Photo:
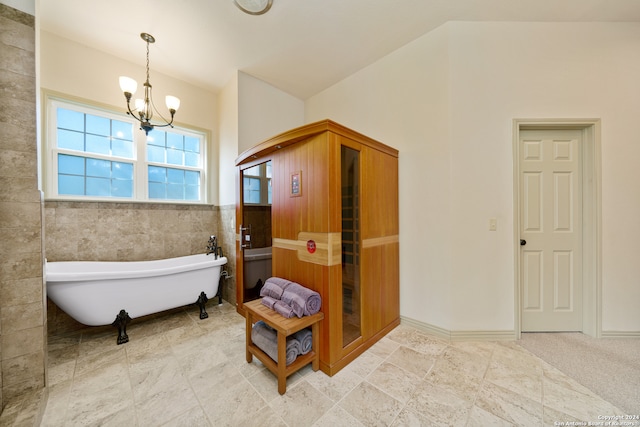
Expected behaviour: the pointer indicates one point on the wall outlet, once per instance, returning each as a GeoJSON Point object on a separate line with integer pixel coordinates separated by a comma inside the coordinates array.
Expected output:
{"type": "Point", "coordinates": [493, 224]}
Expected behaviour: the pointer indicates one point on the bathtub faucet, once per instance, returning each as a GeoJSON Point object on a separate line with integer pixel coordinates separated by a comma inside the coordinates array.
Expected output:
{"type": "Point", "coordinates": [213, 248]}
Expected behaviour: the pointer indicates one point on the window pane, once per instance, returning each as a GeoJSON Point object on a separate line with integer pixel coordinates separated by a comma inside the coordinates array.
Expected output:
{"type": "Point", "coordinates": [98, 144]}
{"type": "Point", "coordinates": [99, 168]}
{"type": "Point", "coordinates": [70, 140]}
{"type": "Point", "coordinates": [155, 154]}
{"type": "Point", "coordinates": [156, 191]}
{"type": "Point", "coordinates": [174, 157]}
{"type": "Point", "coordinates": [72, 185]}
{"type": "Point", "coordinates": [98, 187]}
{"type": "Point", "coordinates": [175, 176]}
{"type": "Point", "coordinates": [191, 159]}
{"type": "Point", "coordinates": [251, 190]}
{"type": "Point", "coordinates": [122, 130]}
{"type": "Point", "coordinates": [122, 148]}
{"type": "Point", "coordinates": [192, 178]}
{"type": "Point", "coordinates": [192, 192]}
{"type": "Point", "coordinates": [122, 188]}
{"type": "Point", "coordinates": [157, 174]}
{"type": "Point", "coordinates": [156, 137]}
{"type": "Point", "coordinates": [70, 165]}
{"type": "Point", "coordinates": [122, 171]}
{"type": "Point", "coordinates": [269, 169]}
{"type": "Point", "coordinates": [71, 120]}
{"type": "Point", "coordinates": [191, 144]}
{"type": "Point", "coordinates": [175, 191]}
{"type": "Point", "coordinates": [98, 125]}
{"type": "Point", "coordinates": [175, 140]}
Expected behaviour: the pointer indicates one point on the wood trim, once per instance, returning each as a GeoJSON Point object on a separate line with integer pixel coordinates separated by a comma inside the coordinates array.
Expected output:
{"type": "Point", "coordinates": [380, 241]}
{"type": "Point", "coordinates": [300, 133]}
{"type": "Point", "coordinates": [328, 250]}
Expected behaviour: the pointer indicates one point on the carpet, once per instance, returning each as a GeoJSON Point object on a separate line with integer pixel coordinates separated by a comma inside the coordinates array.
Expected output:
{"type": "Point", "coordinates": [609, 367]}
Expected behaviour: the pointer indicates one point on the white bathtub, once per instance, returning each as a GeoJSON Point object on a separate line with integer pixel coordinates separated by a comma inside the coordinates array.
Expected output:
{"type": "Point", "coordinates": [93, 293]}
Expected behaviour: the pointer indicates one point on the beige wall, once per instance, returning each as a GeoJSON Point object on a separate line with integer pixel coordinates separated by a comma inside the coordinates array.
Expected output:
{"type": "Point", "coordinates": [447, 101]}
{"type": "Point", "coordinates": [22, 309]}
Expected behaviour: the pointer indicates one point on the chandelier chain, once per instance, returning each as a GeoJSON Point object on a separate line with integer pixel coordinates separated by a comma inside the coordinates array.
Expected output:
{"type": "Point", "coordinates": [147, 61]}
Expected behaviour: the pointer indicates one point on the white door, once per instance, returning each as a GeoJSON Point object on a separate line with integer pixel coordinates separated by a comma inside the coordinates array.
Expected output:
{"type": "Point", "coordinates": [551, 230]}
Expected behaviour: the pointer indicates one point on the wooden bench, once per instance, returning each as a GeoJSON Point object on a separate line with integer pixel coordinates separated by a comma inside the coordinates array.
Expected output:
{"type": "Point", "coordinates": [256, 311]}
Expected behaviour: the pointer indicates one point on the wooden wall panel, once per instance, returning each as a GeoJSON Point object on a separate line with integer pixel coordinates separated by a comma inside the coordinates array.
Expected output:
{"type": "Point", "coordinates": [380, 201]}
{"type": "Point", "coordinates": [380, 242]}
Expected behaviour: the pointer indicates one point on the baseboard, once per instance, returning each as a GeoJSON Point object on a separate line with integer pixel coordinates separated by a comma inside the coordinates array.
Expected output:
{"type": "Point", "coordinates": [506, 335]}
{"type": "Point", "coordinates": [620, 334]}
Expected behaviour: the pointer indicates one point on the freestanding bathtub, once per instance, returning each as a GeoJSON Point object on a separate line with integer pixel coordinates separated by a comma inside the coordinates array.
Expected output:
{"type": "Point", "coordinates": [94, 293]}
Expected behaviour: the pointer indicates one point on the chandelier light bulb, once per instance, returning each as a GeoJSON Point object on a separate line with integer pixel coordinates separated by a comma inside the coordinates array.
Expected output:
{"type": "Point", "coordinates": [173, 103]}
{"type": "Point", "coordinates": [128, 85]}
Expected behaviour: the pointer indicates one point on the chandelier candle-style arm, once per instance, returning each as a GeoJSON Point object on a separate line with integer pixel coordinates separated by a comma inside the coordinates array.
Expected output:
{"type": "Point", "coordinates": [144, 108]}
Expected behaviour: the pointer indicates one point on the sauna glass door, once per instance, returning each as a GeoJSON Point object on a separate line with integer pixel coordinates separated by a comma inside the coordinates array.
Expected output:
{"type": "Point", "coordinates": [255, 230]}
{"type": "Point", "coordinates": [351, 313]}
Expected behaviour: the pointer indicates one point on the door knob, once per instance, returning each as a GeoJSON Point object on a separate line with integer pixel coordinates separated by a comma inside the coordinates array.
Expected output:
{"type": "Point", "coordinates": [523, 242]}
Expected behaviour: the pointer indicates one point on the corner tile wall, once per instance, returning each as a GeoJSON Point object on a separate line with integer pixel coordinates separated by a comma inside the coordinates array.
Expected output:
{"type": "Point", "coordinates": [22, 308]}
{"type": "Point", "coordinates": [227, 227]}
{"type": "Point", "coordinates": [88, 231]}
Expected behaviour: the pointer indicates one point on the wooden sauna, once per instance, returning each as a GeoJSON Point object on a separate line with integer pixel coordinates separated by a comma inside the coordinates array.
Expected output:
{"type": "Point", "coordinates": [332, 196]}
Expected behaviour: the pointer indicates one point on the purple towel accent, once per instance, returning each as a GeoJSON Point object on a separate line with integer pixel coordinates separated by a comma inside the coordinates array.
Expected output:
{"type": "Point", "coordinates": [306, 340]}
{"type": "Point", "coordinates": [266, 339]}
{"type": "Point", "coordinates": [304, 301]}
{"type": "Point", "coordinates": [268, 301]}
{"type": "Point", "coordinates": [283, 309]}
{"type": "Point", "coordinates": [280, 282]}
{"type": "Point", "coordinates": [271, 290]}
{"type": "Point", "coordinates": [294, 300]}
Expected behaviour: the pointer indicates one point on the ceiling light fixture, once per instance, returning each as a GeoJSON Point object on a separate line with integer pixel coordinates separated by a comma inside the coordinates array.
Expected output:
{"type": "Point", "coordinates": [254, 7]}
{"type": "Point", "coordinates": [144, 108]}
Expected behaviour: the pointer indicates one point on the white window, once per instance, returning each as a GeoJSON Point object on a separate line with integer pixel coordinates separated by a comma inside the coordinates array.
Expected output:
{"type": "Point", "coordinates": [95, 154]}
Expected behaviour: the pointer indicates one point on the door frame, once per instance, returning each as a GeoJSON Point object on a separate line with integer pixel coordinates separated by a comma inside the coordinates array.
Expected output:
{"type": "Point", "coordinates": [591, 222]}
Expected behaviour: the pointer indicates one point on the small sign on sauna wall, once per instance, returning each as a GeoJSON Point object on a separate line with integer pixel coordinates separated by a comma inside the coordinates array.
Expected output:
{"type": "Point", "coordinates": [296, 184]}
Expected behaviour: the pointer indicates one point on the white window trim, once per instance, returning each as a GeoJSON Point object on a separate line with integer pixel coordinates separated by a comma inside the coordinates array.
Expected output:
{"type": "Point", "coordinates": [140, 164]}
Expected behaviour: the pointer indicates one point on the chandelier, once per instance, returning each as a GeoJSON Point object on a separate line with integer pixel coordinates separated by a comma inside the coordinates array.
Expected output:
{"type": "Point", "coordinates": [144, 109]}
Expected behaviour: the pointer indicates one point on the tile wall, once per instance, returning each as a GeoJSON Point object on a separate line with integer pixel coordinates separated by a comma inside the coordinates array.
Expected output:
{"type": "Point", "coordinates": [22, 307]}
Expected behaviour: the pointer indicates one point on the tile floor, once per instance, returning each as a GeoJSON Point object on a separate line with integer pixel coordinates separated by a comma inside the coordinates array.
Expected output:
{"type": "Point", "coordinates": [178, 370]}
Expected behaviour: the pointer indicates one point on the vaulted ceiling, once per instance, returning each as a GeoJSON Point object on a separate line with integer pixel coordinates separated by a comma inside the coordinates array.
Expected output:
{"type": "Point", "coordinates": [299, 46]}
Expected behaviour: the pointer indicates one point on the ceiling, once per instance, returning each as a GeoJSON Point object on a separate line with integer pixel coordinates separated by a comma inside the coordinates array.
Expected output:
{"type": "Point", "coordinates": [299, 46]}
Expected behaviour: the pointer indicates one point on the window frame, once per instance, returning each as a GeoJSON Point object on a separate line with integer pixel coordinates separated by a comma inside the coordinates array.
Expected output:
{"type": "Point", "coordinates": [140, 193]}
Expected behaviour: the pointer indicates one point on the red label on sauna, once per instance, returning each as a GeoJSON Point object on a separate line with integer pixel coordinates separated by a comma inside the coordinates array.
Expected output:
{"type": "Point", "coordinates": [311, 246]}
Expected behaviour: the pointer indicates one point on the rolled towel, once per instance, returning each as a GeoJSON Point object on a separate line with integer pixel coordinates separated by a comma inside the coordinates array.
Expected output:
{"type": "Point", "coordinates": [266, 339]}
{"type": "Point", "coordinates": [280, 282]}
{"type": "Point", "coordinates": [303, 301]}
{"type": "Point", "coordinates": [271, 290]}
{"type": "Point", "coordinates": [306, 340]}
{"type": "Point", "coordinates": [268, 301]}
{"type": "Point", "coordinates": [284, 309]}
